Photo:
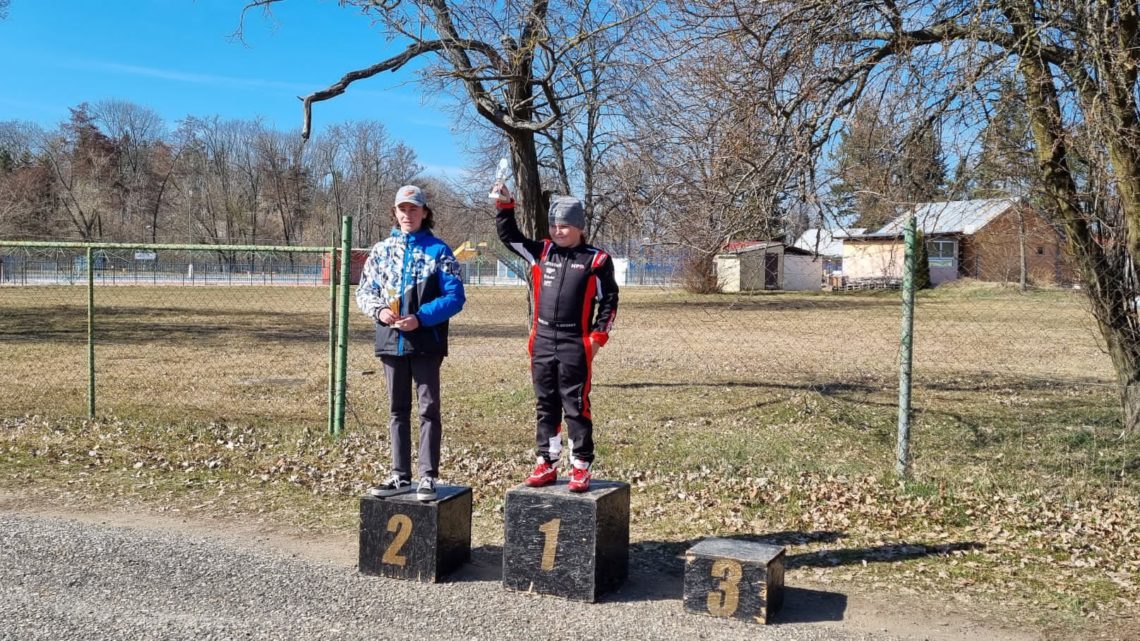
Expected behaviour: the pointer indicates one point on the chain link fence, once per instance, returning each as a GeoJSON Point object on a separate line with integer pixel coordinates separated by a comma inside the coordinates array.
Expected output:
{"type": "Point", "coordinates": [212, 334]}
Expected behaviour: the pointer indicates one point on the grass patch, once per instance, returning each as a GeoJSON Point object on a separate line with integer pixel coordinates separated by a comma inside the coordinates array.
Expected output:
{"type": "Point", "coordinates": [751, 416]}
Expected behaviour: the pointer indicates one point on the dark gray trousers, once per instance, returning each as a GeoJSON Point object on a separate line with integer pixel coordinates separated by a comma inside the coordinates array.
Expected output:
{"type": "Point", "coordinates": [399, 372]}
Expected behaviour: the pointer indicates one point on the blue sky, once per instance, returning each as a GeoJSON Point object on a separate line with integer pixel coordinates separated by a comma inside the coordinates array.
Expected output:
{"type": "Point", "coordinates": [179, 58]}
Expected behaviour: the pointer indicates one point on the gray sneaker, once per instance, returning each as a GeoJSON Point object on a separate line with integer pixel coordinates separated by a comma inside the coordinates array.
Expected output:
{"type": "Point", "coordinates": [426, 490]}
{"type": "Point", "coordinates": [393, 486]}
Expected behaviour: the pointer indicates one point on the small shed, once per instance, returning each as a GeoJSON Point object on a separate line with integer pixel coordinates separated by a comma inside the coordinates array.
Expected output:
{"type": "Point", "coordinates": [749, 266]}
{"type": "Point", "coordinates": [803, 270]}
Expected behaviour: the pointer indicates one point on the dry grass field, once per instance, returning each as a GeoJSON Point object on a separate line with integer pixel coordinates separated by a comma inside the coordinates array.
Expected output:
{"type": "Point", "coordinates": [770, 416]}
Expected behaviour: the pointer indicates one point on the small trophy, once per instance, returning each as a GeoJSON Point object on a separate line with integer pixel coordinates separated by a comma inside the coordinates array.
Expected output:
{"type": "Point", "coordinates": [500, 177]}
{"type": "Point", "coordinates": [393, 300]}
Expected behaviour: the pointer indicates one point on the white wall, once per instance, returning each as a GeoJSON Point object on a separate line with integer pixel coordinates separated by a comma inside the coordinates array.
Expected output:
{"type": "Point", "coordinates": [872, 259]}
{"type": "Point", "coordinates": [621, 270]}
{"type": "Point", "coordinates": [801, 273]}
{"type": "Point", "coordinates": [728, 272]}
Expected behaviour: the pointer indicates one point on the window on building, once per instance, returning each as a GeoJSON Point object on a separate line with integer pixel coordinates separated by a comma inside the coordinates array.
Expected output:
{"type": "Point", "coordinates": [1040, 251]}
{"type": "Point", "coordinates": [942, 253]}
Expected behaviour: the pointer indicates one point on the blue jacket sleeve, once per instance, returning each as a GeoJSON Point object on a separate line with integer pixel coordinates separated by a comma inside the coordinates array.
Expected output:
{"type": "Point", "coordinates": [451, 298]}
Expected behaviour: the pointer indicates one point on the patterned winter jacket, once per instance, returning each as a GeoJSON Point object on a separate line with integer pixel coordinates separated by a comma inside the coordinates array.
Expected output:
{"type": "Point", "coordinates": [420, 270]}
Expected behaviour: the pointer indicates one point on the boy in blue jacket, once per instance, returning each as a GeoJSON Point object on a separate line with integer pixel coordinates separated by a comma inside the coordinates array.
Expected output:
{"type": "Point", "coordinates": [410, 287]}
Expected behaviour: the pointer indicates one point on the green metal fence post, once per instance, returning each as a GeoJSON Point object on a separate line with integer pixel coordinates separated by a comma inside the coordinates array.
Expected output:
{"type": "Point", "coordinates": [342, 329]}
{"type": "Point", "coordinates": [90, 334]}
{"type": "Point", "coordinates": [334, 278]}
{"type": "Point", "coordinates": [902, 446]}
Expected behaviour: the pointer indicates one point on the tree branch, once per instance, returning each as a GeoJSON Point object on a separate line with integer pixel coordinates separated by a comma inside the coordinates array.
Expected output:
{"type": "Point", "coordinates": [391, 64]}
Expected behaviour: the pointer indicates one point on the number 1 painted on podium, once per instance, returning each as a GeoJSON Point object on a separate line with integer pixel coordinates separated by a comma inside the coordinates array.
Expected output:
{"type": "Point", "coordinates": [550, 546]}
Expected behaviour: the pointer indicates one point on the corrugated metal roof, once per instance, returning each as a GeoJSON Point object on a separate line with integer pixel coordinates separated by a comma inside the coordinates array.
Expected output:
{"type": "Point", "coordinates": [826, 242]}
{"type": "Point", "coordinates": [951, 217]}
{"type": "Point", "coordinates": [742, 246]}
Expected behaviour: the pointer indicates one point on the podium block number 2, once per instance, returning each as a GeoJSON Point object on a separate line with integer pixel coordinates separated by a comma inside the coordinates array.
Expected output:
{"type": "Point", "coordinates": [401, 525]}
{"type": "Point", "coordinates": [550, 544]}
{"type": "Point", "coordinates": [724, 600]}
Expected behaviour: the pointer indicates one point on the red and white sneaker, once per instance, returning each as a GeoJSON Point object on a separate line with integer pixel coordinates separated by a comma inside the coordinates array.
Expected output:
{"type": "Point", "coordinates": [579, 479]}
{"type": "Point", "coordinates": [544, 474]}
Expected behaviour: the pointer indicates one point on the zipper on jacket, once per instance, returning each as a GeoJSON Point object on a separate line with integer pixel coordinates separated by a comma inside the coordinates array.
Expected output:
{"type": "Point", "coordinates": [407, 238]}
{"type": "Point", "coordinates": [561, 282]}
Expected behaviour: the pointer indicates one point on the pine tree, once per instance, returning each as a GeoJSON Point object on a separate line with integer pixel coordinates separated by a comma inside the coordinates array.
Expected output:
{"type": "Point", "coordinates": [1005, 165]}
{"type": "Point", "coordinates": [921, 262]}
{"type": "Point", "coordinates": [882, 169]}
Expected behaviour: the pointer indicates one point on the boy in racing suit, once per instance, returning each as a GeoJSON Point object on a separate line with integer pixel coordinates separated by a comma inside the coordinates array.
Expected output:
{"type": "Point", "coordinates": [575, 302]}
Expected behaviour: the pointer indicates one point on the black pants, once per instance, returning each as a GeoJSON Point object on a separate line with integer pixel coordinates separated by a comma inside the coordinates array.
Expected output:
{"type": "Point", "coordinates": [399, 371]}
{"type": "Point", "coordinates": [560, 371]}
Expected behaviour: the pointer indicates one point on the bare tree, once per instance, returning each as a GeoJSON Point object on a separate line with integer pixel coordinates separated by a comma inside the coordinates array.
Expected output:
{"type": "Point", "coordinates": [881, 166]}
{"type": "Point", "coordinates": [699, 166]}
{"type": "Point", "coordinates": [81, 161]}
{"type": "Point", "coordinates": [513, 62]}
{"type": "Point", "coordinates": [280, 161]}
{"type": "Point", "coordinates": [220, 166]}
{"type": "Point", "coordinates": [26, 184]}
{"type": "Point", "coordinates": [144, 164]}
{"type": "Point", "coordinates": [360, 167]}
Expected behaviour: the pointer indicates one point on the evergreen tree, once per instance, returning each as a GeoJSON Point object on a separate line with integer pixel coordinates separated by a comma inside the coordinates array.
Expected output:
{"type": "Point", "coordinates": [1005, 165]}
{"type": "Point", "coordinates": [921, 262]}
{"type": "Point", "coordinates": [881, 168]}
{"type": "Point", "coordinates": [862, 165]}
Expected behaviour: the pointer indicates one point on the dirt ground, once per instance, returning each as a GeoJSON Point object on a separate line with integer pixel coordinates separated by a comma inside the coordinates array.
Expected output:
{"type": "Point", "coordinates": [908, 617]}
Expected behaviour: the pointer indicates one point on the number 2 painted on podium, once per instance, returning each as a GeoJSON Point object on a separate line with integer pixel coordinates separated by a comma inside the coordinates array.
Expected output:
{"type": "Point", "coordinates": [550, 545]}
{"type": "Point", "coordinates": [724, 600]}
{"type": "Point", "coordinates": [402, 526]}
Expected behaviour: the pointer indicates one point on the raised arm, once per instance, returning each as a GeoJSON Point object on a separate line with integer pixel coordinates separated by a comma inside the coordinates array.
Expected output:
{"type": "Point", "coordinates": [529, 249]}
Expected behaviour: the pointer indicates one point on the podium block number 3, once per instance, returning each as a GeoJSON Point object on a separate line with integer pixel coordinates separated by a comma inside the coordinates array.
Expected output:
{"type": "Point", "coordinates": [402, 526]}
{"type": "Point", "coordinates": [550, 545]}
{"type": "Point", "coordinates": [724, 600]}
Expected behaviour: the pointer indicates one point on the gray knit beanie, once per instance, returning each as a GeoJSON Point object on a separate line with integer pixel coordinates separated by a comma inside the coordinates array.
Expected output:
{"type": "Point", "coordinates": [567, 210]}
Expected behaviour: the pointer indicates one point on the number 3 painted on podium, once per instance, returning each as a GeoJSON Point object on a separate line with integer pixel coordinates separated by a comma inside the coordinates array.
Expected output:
{"type": "Point", "coordinates": [723, 603]}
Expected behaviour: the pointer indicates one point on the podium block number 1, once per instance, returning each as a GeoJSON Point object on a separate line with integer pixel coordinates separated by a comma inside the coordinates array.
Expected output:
{"type": "Point", "coordinates": [401, 525]}
{"type": "Point", "coordinates": [724, 600]}
{"type": "Point", "coordinates": [550, 542]}
{"type": "Point", "coordinates": [565, 544]}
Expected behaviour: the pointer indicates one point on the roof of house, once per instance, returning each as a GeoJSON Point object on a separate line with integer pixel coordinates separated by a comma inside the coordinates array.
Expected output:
{"type": "Point", "coordinates": [826, 242]}
{"type": "Point", "coordinates": [741, 246]}
{"type": "Point", "coordinates": [951, 217]}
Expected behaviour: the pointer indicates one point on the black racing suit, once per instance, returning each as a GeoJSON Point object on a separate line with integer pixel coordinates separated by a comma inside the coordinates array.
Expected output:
{"type": "Point", "coordinates": [575, 300]}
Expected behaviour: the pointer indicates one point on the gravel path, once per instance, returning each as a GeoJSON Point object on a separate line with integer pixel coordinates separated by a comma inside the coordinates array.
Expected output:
{"type": "Point", "coordinates": [64, 579]}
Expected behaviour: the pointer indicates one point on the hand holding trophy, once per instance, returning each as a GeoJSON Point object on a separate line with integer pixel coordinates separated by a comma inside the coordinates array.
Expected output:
{"type": "Point", "coordinates": [392, 297]}
{"type": "Point", "coordinates": [499, 192]}
{"type": "Point", "coordinates": [393, 301]}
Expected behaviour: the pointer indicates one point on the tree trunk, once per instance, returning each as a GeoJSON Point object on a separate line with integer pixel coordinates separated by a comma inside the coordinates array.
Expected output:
{"type": "Point", "coordinates": [1106, 271]}
{"type": "Point", "coordinates": [531, 204]}
{"type": "Point", "coordinates": [1024, 280]}
{"type": "Point", "coordinates": [1130, 400]}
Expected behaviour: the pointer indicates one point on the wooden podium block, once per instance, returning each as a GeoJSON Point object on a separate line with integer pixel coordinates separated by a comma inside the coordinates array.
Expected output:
{"type": "Point", "coordinates": [565, 544]}
{"type": "Point", "coordinates": [735, 579]}
{"type": "Point", "coordinates": [404, 538]}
